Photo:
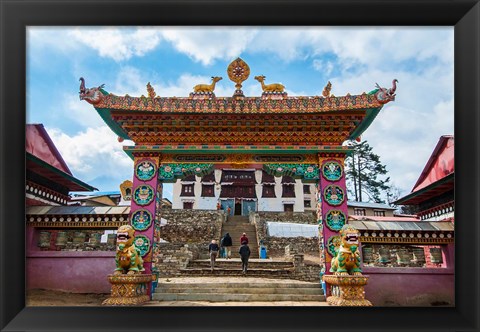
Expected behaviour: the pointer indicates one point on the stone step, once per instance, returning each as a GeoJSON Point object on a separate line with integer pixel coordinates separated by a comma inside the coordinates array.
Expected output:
{"type": "Point", "coordinates": [239, 284]}
{"type": "Point", "coordinates": [236, 272]}
{"type": "Point", "coordinates": [224, 263]}
{"type": "Point", "coordinates": [240, 290]}
{"type": "Point", "coordinates": [219, 297]}
{"type": "Point", "coordinates": [237, 289]}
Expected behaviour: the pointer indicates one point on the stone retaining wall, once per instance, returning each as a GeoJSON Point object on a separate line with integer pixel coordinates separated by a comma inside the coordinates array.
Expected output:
{"type": "Point", "coordinates": [276, 245]}
{"type": "Point", "coordinates": [173, 257]}
{"type": "Point", "coordinates": [191, 226]}
{"type": "Point", "coordinates": [305, 272]}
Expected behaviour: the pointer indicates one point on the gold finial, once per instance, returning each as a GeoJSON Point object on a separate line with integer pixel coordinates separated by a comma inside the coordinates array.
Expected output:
{"type": "Point", "coordinates": [151, 91]}
{"type": "Point", "coordinates": [238, 71]}
{"type": "Point", "coordinates": [327, 89]}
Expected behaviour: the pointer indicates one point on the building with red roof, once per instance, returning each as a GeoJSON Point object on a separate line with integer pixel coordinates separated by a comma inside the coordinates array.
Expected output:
{"type": "Point", "coordinates": [433, 193]}
{"type": "Point", "coordinates": [48, 178]}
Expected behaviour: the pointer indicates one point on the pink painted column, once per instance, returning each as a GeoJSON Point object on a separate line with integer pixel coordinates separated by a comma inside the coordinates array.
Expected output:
{"type": "Point", "coordinates": [332, 210]}
{"type": "Point", "coordinates": [145, 206]}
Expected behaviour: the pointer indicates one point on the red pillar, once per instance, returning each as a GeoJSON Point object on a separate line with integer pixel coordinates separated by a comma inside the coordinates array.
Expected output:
{"type": "Point", "coordinates": [332, 204]}
{"type": "Point", "coordinates": [145, 206]}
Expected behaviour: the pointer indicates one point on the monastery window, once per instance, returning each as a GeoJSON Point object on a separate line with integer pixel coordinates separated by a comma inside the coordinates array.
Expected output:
{"type": "Point", "coordinates": [189, 178]}
{"type": "Point", "coordinates": [379, 213]}
{"type": "Point", "coordinates": [307, 203]}
{"type": "Point", "coordinates": [268, 191]}
{"type": "Point", "coordinates": [187, 190]}
{"type": "Point", "coordinates": [208, 190]}
{"type": "Point", "coordinates": [267, 178]}
{"type": "Point", "coordinates": [359, 212]}
{"type": "Point", "coordinates": [209, 178]}
{"type": "Point", "coordinates": [288, 190]}
{"type": "Point", "coordinates": [187, 205]}
{"type": "Point", "coordinates": [306, 189]}
{"type": "Point", "coordinates": [288, 207]}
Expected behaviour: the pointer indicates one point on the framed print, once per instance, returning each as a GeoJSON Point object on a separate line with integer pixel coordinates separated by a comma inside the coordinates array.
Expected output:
{"type": "Point", "coordinates": [19, 17]}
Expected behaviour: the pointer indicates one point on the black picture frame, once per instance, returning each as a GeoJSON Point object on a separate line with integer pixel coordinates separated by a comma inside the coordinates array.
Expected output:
{"type": "Point", "coordinates": [17, 15]}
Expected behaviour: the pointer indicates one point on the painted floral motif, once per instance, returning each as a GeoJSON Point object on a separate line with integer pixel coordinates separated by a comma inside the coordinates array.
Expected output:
{"type": "Point", "coordinates": [145, 170]}
{"type": "Point", "coordinates": [333, 244]}
{"type": "Point", "coordinates": [305, 171]}
{"type": "Point", "coordinates": [335, 220]}
{"type": "Point", "coordinates": [334, 195]}
{"type": "Point", "coordinates": [141, 220]}
{"type": "Point", "coordinates": [143, 195]}
{"type": "Point", "coordinates": [174, 171]}
{"type": "Point", "coordinates": [142, 243]}
{"type": "Point", "coordinates": [332, 171]}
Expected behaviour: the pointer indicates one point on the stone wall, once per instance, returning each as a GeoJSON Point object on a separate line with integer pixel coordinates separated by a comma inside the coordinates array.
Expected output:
{"type": "Point", "coordinates": [171, 258]}
{"type": "Point", "coordinates": [192, 226]}
{"type": "Point", "coordinates": [295, 217]}
{"type": "Point", "coordinates": [304, 271]}
{"type": "Point", "coordinates": [276, 245]}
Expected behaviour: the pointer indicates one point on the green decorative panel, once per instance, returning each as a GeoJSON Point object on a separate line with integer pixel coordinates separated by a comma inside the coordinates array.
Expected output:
{"type": "Point", "coordinates": [176, 171]}
{"type": "Point", "coordinates": [334, 195]}
{"type": "Point", "coordinates": [145, 170]}
{"type": "Point", "coordinates": [141, 220]}
{"type": "Point", "coordinates": [142, 243]}
{"type": "Point", "coordinates": [332, 171]}
{"type": "Point", "coordinates": [333, 244]}
{"type": "Point", "coordinates": [335, 220]}
{"type": "Point", "coordinates": [297, 171]}
{"type": "Point", "coordinates": [143, 195]}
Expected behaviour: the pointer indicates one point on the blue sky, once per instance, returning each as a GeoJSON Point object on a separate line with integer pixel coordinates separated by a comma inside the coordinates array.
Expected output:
{"type": "Point", "coordinates": [174, 59]}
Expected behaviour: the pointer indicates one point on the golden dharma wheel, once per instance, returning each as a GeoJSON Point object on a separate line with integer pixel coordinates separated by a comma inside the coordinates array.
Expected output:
{"type": "Point", "coordinates": [238, 71]}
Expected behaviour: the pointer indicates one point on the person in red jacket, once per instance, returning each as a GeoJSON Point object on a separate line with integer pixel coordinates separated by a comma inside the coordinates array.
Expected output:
{"type": "Point", "coordinates": [244, 238]}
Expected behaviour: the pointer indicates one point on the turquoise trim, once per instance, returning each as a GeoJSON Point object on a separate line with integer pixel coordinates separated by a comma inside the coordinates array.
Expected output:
{"type": "Point", "coordinates": [106, 116]}
{"type": "Point", "coordinates": [371, 114]}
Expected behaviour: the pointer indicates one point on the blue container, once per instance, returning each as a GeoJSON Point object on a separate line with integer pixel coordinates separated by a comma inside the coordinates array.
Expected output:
{"type": "Point", "coordinates": [263, 252]}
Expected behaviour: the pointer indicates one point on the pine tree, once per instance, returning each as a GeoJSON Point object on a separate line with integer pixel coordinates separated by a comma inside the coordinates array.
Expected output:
{"type": "Point", "coordinates": [363, 171]}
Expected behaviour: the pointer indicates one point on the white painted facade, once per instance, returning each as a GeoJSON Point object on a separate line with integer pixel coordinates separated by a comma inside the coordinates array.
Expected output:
{"type": "Point", "coordinates": [263, 203]}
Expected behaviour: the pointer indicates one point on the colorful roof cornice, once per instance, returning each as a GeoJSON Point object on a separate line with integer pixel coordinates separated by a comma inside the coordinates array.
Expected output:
{"type": "Point", "coordinates": [272, 118]}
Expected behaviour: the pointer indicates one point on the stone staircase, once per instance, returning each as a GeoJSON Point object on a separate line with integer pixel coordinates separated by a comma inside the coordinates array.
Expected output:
{"type": "Point", "coordinates": [237, 290]}
{"type": "Point", "coordinates": [236, 226]}
{"type": "Point", "coordinates": [233, 267]}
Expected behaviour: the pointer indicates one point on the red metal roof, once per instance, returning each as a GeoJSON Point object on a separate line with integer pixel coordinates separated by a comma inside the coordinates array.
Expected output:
{"type": "Point", "coordinates": [39, 144]}
{"type": "Point", "coordinates": [44, 159]}
{"type": "Point", "coordinates": [440, 164]}
{"type": "Point", "coordinates": [437, 176]}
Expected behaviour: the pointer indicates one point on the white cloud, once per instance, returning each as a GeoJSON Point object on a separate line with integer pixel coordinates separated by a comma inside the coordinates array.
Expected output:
{"type": "Point", "coordinates": [118, 43]}
{"type": "Point", "coordinates": [206, 45]}
{"type": "Point", "coordinates": [325, 67]}
{"type": "Point", "coordinates": [92, 153]}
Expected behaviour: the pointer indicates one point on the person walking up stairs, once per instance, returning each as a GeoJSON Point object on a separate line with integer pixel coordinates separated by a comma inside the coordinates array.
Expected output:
{"type": "Point", "coordinates": [235, 227]}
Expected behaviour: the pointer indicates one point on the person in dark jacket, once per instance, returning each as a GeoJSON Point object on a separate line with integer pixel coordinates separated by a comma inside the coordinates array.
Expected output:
{"type": "Point", "coordinates": [213, 251]}
{"type": "Point", "coordinates": [244, 252]}
{"type": "Point", "coordinates": [227, 243]}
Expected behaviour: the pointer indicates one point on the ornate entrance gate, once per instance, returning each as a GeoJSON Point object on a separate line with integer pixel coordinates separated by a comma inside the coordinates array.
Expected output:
{"type": "Point", "coordinates": [300, 137]}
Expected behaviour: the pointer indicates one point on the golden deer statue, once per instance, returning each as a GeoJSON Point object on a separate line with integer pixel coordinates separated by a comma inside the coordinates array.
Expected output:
{"type": "Point", "coordinates": [274, 87]}
{"type": "Point", "coordinates": [207, 87]}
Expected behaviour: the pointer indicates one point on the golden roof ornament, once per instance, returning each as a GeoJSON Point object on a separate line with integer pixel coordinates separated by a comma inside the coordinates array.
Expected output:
{"type": "Point", "coordinates": [151, 91]}
{"type": "Point", "coordinates": [273, 87]}
{"type": "Point", "coordinates": [207, 88]}
{"type": "Point", "coordinates": [238, 71]}
{"type": "Point", "coordinates": [327, 89]}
